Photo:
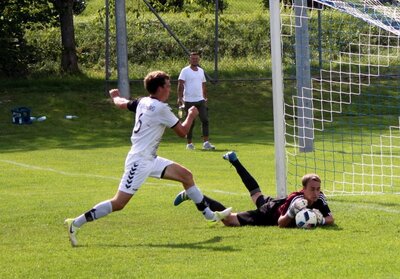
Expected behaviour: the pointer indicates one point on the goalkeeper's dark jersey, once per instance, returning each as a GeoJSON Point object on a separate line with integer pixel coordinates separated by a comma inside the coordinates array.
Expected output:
{"type": "Point", "coordinates": [320, 204]}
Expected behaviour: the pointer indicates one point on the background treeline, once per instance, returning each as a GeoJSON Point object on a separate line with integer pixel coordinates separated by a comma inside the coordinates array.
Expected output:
{"type": "Point", "coordinates": [35, 50]}
{"type": "Point", "coordinates": [31, 43]}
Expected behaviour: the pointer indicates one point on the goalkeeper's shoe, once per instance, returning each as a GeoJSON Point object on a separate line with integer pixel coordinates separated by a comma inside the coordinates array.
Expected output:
{"type": "Point", "coordinates": [221, 215]}
{"type": "Point", "coordinates": [181, 197]}
{"type": "Point", "coordinates": [230, 156]}
{"type": "Point", "coordinates": [72, 231]}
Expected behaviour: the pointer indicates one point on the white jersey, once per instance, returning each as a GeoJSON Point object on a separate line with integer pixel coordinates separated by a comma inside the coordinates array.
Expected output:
{"type": "Point", "coordinates": [193, 88]}
{"type": "Point", "coordinates": [152, 116]}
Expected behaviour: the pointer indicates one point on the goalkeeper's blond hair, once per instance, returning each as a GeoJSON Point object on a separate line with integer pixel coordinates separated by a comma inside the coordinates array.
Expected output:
{"type": "Point", "coordinates": [310, 176]}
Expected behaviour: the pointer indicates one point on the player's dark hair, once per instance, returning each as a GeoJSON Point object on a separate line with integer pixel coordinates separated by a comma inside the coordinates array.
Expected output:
{"type": "Point", "coordinates": [310, 176]}
{"type": "Point", "coordinates": [195, 53]}
{"type": "Point", "coordinates": [155, 79]}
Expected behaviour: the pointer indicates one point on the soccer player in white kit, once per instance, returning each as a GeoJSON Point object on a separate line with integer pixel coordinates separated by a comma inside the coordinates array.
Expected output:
{"type": "Point", "coordinates": [152, 116]}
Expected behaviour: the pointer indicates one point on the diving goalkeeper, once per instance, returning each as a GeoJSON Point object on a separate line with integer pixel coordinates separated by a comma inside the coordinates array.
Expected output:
{"type": "Point", "coordinates": [272, 211]}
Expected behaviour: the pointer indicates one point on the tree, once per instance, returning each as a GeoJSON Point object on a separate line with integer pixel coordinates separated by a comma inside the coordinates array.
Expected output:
{"type": "Point", "coordinates": [18, 15]}
{"type": "Point", "coordinates": [15, 17]}
{"type": "Point", "coordinates": [69, 59]}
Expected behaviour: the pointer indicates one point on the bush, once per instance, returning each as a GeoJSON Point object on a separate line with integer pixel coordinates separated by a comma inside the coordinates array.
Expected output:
{"type": "Point", "coordinates": [15, 55]}
{"type": "Point", "coordinates": [79, 6]}
{"type": "Point", "coordinates": [289, 3]}
{"type": "Point", "coordinates": [210, 4]}
{"type": "Point", "coordinates": [167, 5]}
{"type": "Point", "coordinates": [16, 19]}
{"type": "Point", "coordinates": [178, 5]}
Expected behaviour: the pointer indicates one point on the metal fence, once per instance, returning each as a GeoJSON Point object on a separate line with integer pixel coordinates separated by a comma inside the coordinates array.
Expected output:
{"type": "Point", "coordinates": [234, 41]}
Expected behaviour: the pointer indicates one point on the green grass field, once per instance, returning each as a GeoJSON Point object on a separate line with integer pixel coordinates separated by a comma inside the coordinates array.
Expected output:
{"type": "Point", "coordinates": [60, 168]}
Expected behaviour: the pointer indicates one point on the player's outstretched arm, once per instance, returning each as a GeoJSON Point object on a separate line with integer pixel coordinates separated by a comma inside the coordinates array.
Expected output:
{"type": "Point", "coordinates": [119, 101]}
{"type": "Point", "coordinates": [182, 129]}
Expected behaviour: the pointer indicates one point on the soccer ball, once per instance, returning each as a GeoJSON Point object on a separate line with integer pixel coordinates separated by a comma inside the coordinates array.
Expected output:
{"type": "Point", "coordinates": [306, 219]}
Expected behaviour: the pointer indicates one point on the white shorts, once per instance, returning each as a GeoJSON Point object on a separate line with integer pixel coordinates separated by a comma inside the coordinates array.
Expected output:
{"type": "Point", "coordinates": [137, 169]}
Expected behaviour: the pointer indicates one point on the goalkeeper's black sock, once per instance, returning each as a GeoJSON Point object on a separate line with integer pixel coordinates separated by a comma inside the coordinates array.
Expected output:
{"type": "Point", "coordinates": [248, 180]}
{"type": "Point", "coordinates": [213, 204]}
{"type": "Point", "coordinates": [210, 203]}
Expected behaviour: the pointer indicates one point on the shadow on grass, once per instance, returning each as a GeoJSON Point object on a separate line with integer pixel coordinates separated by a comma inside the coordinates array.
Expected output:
{"type": "Point", "coordinates": [201, 245]}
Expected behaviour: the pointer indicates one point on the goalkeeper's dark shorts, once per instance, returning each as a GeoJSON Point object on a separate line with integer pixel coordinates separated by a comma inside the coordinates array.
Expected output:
{"type": "Point", "coordinates": [265, 214]}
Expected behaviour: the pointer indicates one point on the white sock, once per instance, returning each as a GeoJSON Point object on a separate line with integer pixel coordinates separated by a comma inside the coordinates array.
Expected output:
{"type": "Point", "coordinates": [99, 210]}
{"type": "Point", "coordinates": [194, 194]}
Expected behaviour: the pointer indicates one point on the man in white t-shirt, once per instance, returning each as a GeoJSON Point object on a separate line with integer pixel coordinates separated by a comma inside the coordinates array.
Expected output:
{"type": "Point", "coordinates": [192, 91]}
{"type": "Point", "coordinates": [152, 116]}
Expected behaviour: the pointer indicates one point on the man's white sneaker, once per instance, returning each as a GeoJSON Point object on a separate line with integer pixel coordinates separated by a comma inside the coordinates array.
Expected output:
{"type": "Point", "coordinates": [208, 146]}
{"type": "Point", "coordinates": [72, 230]}
{"type": "Point", "coordinates": [190, 146]}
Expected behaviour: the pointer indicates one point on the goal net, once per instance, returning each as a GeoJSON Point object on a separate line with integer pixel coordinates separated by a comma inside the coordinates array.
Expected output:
{"type": "Point", "coordinates": [341, 72]}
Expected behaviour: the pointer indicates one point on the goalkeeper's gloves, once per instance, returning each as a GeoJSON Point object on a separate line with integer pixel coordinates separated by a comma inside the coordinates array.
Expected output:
{"type": "Point", "coordinates": [320, 217]}
{"type": "Point", "coordinates": [296, 206]}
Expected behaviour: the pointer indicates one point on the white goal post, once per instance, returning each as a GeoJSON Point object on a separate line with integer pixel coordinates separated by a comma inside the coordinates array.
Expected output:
{"type": "Point", "coordinates": [340, 64]}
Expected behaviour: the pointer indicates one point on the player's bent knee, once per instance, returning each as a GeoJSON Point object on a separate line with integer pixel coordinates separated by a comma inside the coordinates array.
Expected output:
{"type": "Point", "coordinates": [187, 177]}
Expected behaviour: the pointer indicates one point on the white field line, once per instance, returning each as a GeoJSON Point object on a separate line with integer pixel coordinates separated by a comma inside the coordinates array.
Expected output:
{"type": "Point", "coordinates": [76, 174]}
{"type": "Point", "coordinates": [368, 207]}
{"type": "Point", "coordinates": [32, 167]}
